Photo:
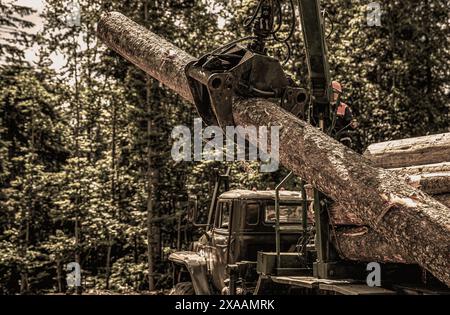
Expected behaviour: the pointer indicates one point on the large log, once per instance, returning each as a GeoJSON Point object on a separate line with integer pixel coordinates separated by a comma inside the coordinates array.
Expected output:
{"type": "Point", "coordinates": [340, 215]}
{"type": "Point", "coordinates": [153, 54]}
{"type": "Point", "coordinates": [403, 215]}
{"type": "Point", "coordinates": [408, 219]}
{"type": "Point", "coordinates": [361, 244]}
{"type": "Point", "coordinates": [444, 199]}
{"type": "Point", "coordinates": [411, 151]}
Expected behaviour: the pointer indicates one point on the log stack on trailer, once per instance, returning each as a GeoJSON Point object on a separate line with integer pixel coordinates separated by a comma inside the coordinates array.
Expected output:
{"type": "Point", "coordinates": [423, 162]}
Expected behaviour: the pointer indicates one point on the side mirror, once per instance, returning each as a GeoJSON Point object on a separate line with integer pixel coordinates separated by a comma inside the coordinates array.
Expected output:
{"type": "Point", "coordinates": [193, 212]}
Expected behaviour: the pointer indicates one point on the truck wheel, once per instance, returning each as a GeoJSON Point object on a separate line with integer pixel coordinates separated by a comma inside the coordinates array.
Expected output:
{"type": "Point", "coordinates": [183, 288]}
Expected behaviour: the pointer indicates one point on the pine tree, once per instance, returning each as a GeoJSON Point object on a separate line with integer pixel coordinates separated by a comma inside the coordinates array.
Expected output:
{"type": "Point", "coordinates": [34, 148]}
{"type": "Point", "coordinates": [394, 76]}
{"type": "Point", "coordinates": [14, 27]}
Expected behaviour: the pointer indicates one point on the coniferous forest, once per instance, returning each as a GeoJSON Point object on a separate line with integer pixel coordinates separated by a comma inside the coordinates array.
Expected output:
{"type": "Point", "coordinates": [86, 173]}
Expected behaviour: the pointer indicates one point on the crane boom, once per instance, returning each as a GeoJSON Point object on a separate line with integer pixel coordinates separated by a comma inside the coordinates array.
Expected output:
{"type": "Point", "coordinates": [316, 55]}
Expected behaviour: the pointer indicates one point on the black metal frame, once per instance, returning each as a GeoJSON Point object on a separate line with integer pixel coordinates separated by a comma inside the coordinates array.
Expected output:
{"type": "Point", "coordinates": [217, 78]}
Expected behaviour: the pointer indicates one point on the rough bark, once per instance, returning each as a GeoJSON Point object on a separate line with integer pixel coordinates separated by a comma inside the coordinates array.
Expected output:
{"type": "Point", "coordinates": [340, 215]}
{"type": "Point", "coordinates": [431, 183]}
{"type": "Point", "coordinates": [422, 169]}
{"type": "Point", "coordinates": [148, 51]}
{"type": "Point", "coordinates": [413, 222]}
{"type": "Point", "coordinates": [412, 151]}
{"type": "Point", "coordinates": [362, 244]}
{"type": "Point", "coordinates": [444, 199]}
{"type": "Point", "coordinates": [433, 179]}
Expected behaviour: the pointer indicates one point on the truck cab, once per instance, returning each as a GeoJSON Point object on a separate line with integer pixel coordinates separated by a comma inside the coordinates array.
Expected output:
{"type": "Point", "coordinates": [242, 223]}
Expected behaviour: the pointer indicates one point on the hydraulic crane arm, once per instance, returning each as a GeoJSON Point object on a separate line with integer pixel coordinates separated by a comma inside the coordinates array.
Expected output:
{"type": "Point", "coordinates": [316, 55]}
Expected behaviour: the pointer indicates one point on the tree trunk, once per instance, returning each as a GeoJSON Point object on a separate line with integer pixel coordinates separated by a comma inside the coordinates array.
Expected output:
{"type": "Point", "coordinates": [78, 289]}
{"type": "Point", "coordinates": [116, 212]}
{"type": "Point", "coordinates": [340, 215]}
{"type": "Point", "coordinates": [108, 261]}
{"type": "Point", "coordinates": [24, 285]}
{"type": "Point", "coordinates": [408, 219]}
{"type": "Point", "coordinates": [412, 151]}
{"type": "Point", "coordinates": [135, 260]}
{"type": "Point", "coordinates": [153, 54]}
{"type": "Point", "coordinates": [150, 190]}
{"type": "Point", "coordinates": [179, 232]}
{"type": "Point", "coordinates": [152, 173]}
{"type": "Point", "coordinates": [435, 183]}
{"type": "Point", "coordinates": [444, 199]}
{"type": "Point", "coordinates": [362, 244]}
{"type": "Point", "coordinates": [59, 274]}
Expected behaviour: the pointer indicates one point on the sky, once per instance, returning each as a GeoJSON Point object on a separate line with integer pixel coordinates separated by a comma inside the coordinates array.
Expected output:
{"type": "Point", "coordinates": [30, 53]}
{"type": "Point", "coordinates": [35, 4]}
{"type": "Point", "coordinates": [38, 5]}
{"type": "Point", "coordinates": [57, 58]}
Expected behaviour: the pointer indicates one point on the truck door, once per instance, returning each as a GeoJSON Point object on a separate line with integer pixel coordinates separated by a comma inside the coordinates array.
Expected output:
{"type": "Point", "coordinates": [218, 251]}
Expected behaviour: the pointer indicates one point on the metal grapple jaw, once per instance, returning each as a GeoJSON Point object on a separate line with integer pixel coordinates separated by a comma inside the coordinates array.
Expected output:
{"type": "Point", "coordinates": [217, 78]}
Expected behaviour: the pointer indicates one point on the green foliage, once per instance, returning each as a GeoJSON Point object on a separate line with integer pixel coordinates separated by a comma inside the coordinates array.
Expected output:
{"type": "Point", "coordinates": [15, 38]}
{"type": "Point", "coordinates": [85, 150]}
{"type": "Point", "coordinates": [394, 75]}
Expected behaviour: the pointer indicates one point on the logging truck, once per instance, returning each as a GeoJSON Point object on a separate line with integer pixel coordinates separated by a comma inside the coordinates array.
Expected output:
{"type": "Point", "coordinates": [392, 221]}
{"type": "Point", "coordinates": [263, 242]}
{"type": "Point", "coordinates": [240, 229]}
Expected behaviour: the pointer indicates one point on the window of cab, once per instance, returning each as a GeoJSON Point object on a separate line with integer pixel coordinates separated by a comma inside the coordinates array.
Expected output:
{"type": "Point", "coordinates": [223, 211]}
{"type": "Point", "coordinates": [289, 213]}
{"type": "Point", "coordinates": [252, 213]}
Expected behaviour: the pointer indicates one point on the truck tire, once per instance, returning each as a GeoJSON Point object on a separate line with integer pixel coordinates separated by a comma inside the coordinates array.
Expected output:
{"type": "Point", "coordinates": [183, 288]}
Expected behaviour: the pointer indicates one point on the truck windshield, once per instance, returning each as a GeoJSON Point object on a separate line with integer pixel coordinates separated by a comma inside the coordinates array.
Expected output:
{"type": "Point", "coordinates": [289, 213]}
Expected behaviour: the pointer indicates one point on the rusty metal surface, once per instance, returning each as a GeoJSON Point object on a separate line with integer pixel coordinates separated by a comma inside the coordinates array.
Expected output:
{"type": "Point", "coordinates": [196, 265]}
{"type": "Point", "coordinates": [355, 289]}
{"type": "Point", "coordinates": [307, 282]}
{"type": "Point", "coordinates": [261, 194]}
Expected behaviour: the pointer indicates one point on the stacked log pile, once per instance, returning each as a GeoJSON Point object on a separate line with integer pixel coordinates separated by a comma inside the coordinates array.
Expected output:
{"type": "Point", "coordinates": [406, 223]}
{"type": "Point", "coordinates": [424, 150]}
{"type": "Point", "coordinates": [423, 162]}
